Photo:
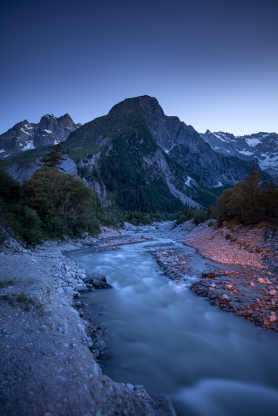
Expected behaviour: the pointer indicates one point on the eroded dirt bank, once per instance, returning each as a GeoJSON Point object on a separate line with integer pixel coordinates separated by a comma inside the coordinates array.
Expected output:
{"type": "Point", "coordinates": [246, 283]}
{"type": "Point", "coordinates": [47, 365]}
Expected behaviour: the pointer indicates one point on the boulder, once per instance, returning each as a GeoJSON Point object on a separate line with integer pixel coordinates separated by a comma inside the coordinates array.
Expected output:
{"type": "Point", "coordinates": [97, 280]}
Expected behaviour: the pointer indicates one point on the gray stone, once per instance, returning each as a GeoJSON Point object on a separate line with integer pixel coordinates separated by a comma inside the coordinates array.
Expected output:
{"type": "Point", "coordinates": [68, 290]}
{"type": "Point", "coordinates": [99, 345]}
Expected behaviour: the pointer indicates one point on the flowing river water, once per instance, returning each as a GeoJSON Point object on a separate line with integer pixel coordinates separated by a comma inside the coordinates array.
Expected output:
{"type": "Point", "coordinates": [162, 336]}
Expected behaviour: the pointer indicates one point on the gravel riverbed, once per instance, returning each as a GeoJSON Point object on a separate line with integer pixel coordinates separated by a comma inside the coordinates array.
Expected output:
{"type": "Point", "coordinates": [48, 351]}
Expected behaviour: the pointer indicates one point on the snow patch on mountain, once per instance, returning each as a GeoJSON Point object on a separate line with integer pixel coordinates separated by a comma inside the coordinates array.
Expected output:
{"type": "Point", "coordinates": [246, 152]}
{"type": "Point", "coordinates": [167, 151]}
{"type": "Point", "coordinates": [219, 136]}
{"type": "Point", "coordinates": [26, 132]}
{"type": "Point", "coordinates": [219, 184]}
{"type": "Point", "coordinates": [29, 145]}
{"type": "Point", "coordinates": [188, 181]}
{"type": "Point", "coordinates": [252, 142]}
{"type": "Point", "coordinates": [261, 147]}
{"type": "Point", "coordinates": [270, 161]}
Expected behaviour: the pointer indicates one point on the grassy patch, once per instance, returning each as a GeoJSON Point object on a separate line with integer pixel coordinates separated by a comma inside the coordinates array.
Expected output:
{"type": "Point", "coordinates": [22, 297]}
{"type": "Point", "coordinates": [25, 158]}
{"type": "Point", "coordinates": [80, 151]}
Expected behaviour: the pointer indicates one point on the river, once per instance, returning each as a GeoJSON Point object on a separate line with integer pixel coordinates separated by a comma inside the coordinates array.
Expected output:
{"type": "Point", "coordinates": [162, 336]}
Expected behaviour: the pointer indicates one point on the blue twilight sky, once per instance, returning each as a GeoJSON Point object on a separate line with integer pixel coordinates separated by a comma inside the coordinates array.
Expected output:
{"type": "Point", "coordinates": [212, 63]}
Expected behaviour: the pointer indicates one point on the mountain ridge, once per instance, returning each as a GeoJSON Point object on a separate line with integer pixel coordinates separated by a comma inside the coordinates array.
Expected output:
{"type": "Point", "coordinates": [142, 159]}
{"type": "Point", "coordinates": [25, 136]}
{"type": "Point", "coordinates": [261, 147]}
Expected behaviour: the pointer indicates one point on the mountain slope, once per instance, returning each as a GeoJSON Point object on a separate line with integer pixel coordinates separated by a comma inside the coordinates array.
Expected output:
{"type": "Point", "coordinates": [166, 149]}
{"type": "Point", "coordinates": [142, 159]}
{"type": "Point", "coordinates": [259, 147]}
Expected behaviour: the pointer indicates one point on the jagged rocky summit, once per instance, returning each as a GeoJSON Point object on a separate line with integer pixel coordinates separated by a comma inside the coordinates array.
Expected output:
{"type": "Point", "coordinates": [259, 147]}
{"type": "Point", "coordinates": [141, 159]}
{"type": "Point", "coordinates": [25, 136]}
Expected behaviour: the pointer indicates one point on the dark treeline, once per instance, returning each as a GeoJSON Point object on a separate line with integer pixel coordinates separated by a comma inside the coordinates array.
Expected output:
{"type": "Point", "coordinates": [143, 218]}
{"type": "Point", "coordinates": [248, 202]}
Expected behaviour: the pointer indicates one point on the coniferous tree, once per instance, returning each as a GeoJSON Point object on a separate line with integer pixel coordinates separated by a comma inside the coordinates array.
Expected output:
{"type": "Point", "coordinates": [252, 207]}
{"type": "Point", "coordinates": [54, 158]}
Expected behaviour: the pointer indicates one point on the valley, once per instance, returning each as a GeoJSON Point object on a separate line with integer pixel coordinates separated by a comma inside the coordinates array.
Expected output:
{"type": "Point", "coordinates": [135, 156]}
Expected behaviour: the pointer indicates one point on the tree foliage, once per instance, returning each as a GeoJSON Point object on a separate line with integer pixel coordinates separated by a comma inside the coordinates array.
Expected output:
{"type": "Point", "coordinates": [54, 158]}
{"type": "Point", "coordinates": [248, 203]}
{"type": "Point", "coordinates": [51, 204]}
{"type": "Point", "coordinates": [64, 203]}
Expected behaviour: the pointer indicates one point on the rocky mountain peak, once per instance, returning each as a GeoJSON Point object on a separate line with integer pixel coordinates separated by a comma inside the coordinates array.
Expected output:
{"type": "Point", "coordinates": [25, 136]}
{"type": "Point", "coordinates": [139, 104]}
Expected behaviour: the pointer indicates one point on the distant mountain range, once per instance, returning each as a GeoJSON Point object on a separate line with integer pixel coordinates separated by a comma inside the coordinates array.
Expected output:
{"type": "Point", "coordinates": [135, 156]}
{"type": "Point", "coordinates": [25, 136]}
{"type": "Point", "coordinates": [261, 147]}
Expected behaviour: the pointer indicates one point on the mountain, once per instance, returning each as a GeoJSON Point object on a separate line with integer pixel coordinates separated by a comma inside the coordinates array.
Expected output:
{"type": "Point", "coordinates": [259, 147]}
{"type": "Point", "coordinates": [24, 136]}
{"type": "Point", "coordinates": [142, 159]}
{"type": "Point", "coordinates": [136, 137]}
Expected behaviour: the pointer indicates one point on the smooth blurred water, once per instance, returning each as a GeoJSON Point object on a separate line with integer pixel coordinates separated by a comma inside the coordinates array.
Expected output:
{"type": "Point", "coordinates": [172, 342]}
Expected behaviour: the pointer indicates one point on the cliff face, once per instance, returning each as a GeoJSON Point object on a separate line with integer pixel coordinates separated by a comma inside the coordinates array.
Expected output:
{"type": "Point", "coordinates": [25, 136]}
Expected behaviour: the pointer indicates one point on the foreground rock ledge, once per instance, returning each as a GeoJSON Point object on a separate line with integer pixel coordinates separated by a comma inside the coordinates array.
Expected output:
{"type": "Point", "coordinates": [46, 365]}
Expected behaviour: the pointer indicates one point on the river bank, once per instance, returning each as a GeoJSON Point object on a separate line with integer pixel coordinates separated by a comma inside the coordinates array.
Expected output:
{"type": "Point", "coordinates": [47, 367]}
{"type": "Point", "coordinates": [244, 280]}
{"type": "Point", "coordinates": [49, 354]}
{"type": "Point", "coordinates": [163, 336]}
{"type": "Point", "coordinates": [246, 284]}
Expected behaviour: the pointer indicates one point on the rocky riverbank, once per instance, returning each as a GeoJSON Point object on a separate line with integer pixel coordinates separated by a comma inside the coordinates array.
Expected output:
{"type": "Point", "coordinates": [243, 279]}
{"type": "Point", "coordinates": [246, 284]}
{"type": "Point", "coordinates": [48, 352]}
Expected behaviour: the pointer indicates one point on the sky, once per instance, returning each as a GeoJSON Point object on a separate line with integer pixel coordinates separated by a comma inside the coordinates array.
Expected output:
{"type": "Point", "coordinates": [212, 63]}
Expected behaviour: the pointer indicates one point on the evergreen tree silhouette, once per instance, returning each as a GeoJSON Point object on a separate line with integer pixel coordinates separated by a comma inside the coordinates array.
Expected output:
{"type": "Point", "coordinates": [54, 158]}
